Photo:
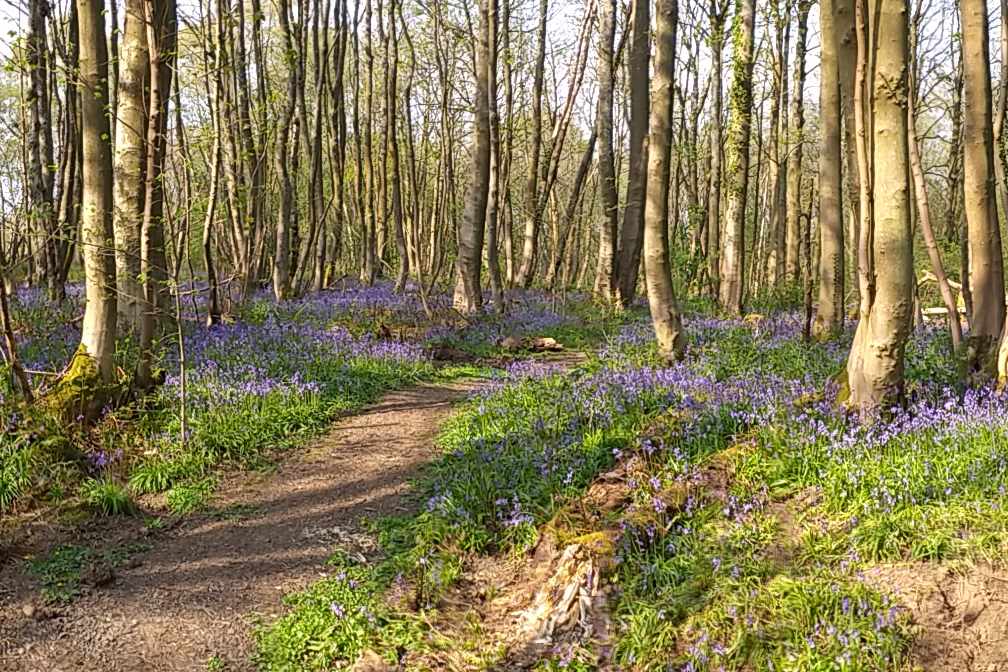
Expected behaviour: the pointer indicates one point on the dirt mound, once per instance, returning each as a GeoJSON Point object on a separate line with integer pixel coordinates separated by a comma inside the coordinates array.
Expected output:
{"type": "Point", "coordinates": [961, 616]}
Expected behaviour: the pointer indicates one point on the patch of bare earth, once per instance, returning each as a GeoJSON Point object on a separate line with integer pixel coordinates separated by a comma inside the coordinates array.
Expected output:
{"type": "Point", "coordinates": [961, 615]}
{"type": "Point", "coordinates": [205, 582]}
{"type": "Point", "coordinates": [511, 613]}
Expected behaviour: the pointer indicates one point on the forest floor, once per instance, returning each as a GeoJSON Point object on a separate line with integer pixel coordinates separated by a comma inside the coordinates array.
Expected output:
{"type": "Point", "coordinates": [186, 596]}
{"type": "Point", "coordinates": [377, 491]}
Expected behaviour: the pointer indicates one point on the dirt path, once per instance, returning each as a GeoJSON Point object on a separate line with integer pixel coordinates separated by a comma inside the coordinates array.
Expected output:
{"type": "Point", "coordinates": [199, 589]}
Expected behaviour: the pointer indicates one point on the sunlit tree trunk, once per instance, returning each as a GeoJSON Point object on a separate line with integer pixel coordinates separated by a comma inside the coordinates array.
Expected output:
{"type": "Point", "coordinates": [130, 162]}
{"type": "Point", "coordinates": [875, 367]}
{"type": "Point", "coordinates": [717, 21]}
{"type": "Point", "coordinates": [737, 160]}
{"type": "Point", "coordinates": [605, 276]}
{"type": "Point", "coordinates": [657, 267]}
{"type": "Point", "coordinates": [985, 258]}
{"type": "Point", "coordinates": [468, 291]}
{"type": "Point", "coordinates": [830, 313]}
{"type": "Point", "coordinates": [92, 364]}
{"type": "Point", "coordinates": [631, 236]}
{"type": "Point", "coordinates": [796, 151]}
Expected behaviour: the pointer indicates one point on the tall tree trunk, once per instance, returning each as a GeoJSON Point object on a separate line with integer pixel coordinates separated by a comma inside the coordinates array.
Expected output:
{"type": "Point", "coordinates": [494, 179]}
{"type": "Point", "coordinates": [530, 240]}
{"type": "Point", "coordinates": [468, 290]}
{"type": "Point", "coordinates": [985, 258]}
{"type": "Point", "coordinates": [847, 57]}
{"type": "Point", "coordinates": [285, 216]}
{"type": "Point", "coordinates": [631, 239]}
{"type": "Point", "coordinates": [92, 364]}
{"type": "Point", "coordinates": [717, 20]}
{"type": "Point", "coordinates": [605, 276]}
{"type": "Point", "coordinates": [657, 268]}
{"type": "Point", "coordinates": [737, 160]}
{"type": "Point", "coordinates": [393, 154]}
{"type": "Point", "coordinates": [830, 314]}
{"type": "Point", "coordinates": [776, 170]}
{"type": "Point", "coordinates": [40, 145]}
{"type": "Point", "coordinates": [130, 163]}
{"type": "Point", "coordinates": [793, 232]}
{"type": "Point", "coordinates": [875, 366]}
{"type": "Point", "coordinates": [161, 29]}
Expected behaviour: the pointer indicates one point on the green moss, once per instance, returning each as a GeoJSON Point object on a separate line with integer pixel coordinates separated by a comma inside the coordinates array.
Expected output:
{"type": "Point", "coordinates": [81, 394]}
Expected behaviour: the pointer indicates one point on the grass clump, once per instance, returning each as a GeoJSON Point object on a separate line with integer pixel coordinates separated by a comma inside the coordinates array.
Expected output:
{"type": "Point", "coordinates": [107, 497]}
{"type": "Point", "coordinates": [333, 622]}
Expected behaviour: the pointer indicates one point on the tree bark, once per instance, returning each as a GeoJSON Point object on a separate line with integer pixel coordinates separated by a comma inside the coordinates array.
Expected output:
{"type": "Point", "coordinates": [737, 160]}
{"type": "Point", "coordinates": [606, 273]}
{"type": "Point", "coordinates": [94, 357]}
{"type": "Point", "coordinates": [130, 163]}
{"type": "Point", "coordinates": [875, 367]}
{"type": "Point", "coordinates": [985, 258]}
{"type": "Point", "coordinates": [468, 290]}
{"type": "Point", "coordinates": [631, 239]}
{"type": "Point", "coordinates": [830, 313]}
{"type": "Point", "coordinates": [657, 268]}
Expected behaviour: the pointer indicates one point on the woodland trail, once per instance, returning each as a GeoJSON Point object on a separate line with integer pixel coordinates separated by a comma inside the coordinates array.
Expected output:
{"type": "Point", "coordinates": [200, 587]}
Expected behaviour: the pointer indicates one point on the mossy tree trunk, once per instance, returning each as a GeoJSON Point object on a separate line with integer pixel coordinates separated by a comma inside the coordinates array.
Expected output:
{"type": "Point", "coordinates": [737, 160]}
{"type": "Point", "coordinates": [83, 389]}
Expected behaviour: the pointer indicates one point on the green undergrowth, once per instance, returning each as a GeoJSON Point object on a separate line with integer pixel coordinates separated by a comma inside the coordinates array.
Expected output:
{"type": "Point", "coordinates": [753, 508]}
{"type": "Point", "coordinates": [61, 572]}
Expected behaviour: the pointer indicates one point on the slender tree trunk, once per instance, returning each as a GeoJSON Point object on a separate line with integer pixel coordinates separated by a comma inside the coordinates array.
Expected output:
{"type": "Point", "coordinates": [657, 268]}
{"type": "Point", "coordinates": [393, 154]}
{"type": "Point", "coordinates": [40, 146]}
{"type": "Point", "coordinates": [530, 240]}
{"type": "Point", "coordinates": [468, 290]}
{"type": "Point", "coordinates": [776, 173]}
{"type": "Point", "coordinates": [737, 160]}
{"type": "Point", "coordinates": [631, 239]}
{"type": "Point", "coordinates": [717, 19]}
{"type": "Point", "coordinates": [494, 179]}
{"type": "Point", "coordinates": [285, 216]}
{"type": "Point", "coordinates": [830, 314]}
{"type": "Point", "coordinates": [924, 213]}
{"type": "Point", "coordinates": [130, 163]}
{"type": "Point", "coordinates": [160, 22]}
{"type": "Point", "coordinates": [793, 232]}
{"type": "Point", "coordinates": [93, 360]}
{"type": "Point", "coordinates": [606, 275]}
{"type": "Point", "coordinates": [847, 57]}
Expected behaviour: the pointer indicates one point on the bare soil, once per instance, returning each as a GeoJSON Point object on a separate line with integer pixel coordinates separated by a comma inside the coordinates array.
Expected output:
{"type": "Point", "coordinates": [208, 579]}
{"type": "Point", "coordinates": [961, 615]}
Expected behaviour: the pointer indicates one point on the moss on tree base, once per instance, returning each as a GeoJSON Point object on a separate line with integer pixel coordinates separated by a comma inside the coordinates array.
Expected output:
{"type": "Point", "coordinates": [81, 394]}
